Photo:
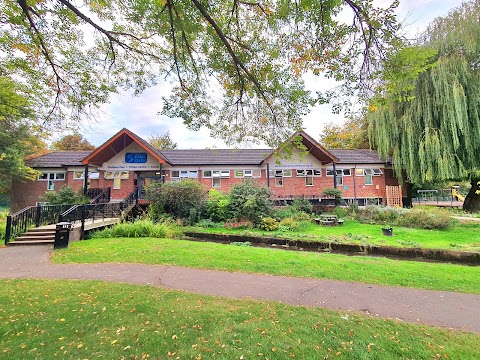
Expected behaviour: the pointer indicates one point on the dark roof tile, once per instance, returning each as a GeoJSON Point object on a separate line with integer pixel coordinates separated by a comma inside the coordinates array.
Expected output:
{"type": "Point", "coordinates": [57, 159]}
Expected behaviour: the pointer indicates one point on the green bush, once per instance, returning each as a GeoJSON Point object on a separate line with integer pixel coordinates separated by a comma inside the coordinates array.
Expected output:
{"type": "Point", "coordinates": [289, 224]}
{"type": "Point", "coordinates": [427, 219]}
{"type": "Point", "coordinates": [432, 218]}
{"type": "Point", "coordinates": [250, 201]}
{"type": "Point", "coordinates": [218, 206]}
{"type": "Point", "coordinates": [335, 193]}
{"type": "Point", "coordinates": [340, 212]}
{"type": "Point", "coordinates": [302, 205]}
{"type": "Point", "coordinates": [139, 228]}
{"type": "Point", "coordinates": [178, 198]}
{"type": "Point", "coordinates": [269, 224]}
{"type": "Point", "coordinates": [65, 195]}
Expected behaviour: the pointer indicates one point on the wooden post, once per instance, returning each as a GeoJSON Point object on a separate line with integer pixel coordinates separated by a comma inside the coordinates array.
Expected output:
{"type": "Point", "coordinates": [8, 229]}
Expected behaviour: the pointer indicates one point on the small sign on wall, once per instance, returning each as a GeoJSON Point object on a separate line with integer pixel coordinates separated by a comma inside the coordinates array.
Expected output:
{"type": "Point", "coordinates": [136, 158]}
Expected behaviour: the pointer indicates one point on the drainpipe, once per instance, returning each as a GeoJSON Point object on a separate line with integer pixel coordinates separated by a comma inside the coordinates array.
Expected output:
{"type": "Point", "coordinates": [334, 176]}
{"type": "Point", "coordinates": [354, 183]}
{"type": "Point", "coordinates": [85, 180]}
{"type": "Point", "coordinates": [268, 175]}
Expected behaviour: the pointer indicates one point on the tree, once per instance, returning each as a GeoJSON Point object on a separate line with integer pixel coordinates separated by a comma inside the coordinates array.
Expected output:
{"type": "Point", "coordinates": [162, 142]}
{"type": "Point", "coordinates": [237, 65]}
{"type": "Point", "coordinates": [350, 135]}
{"type": "Point", "coordinates": [428, 119]}
{"type": "Point", "coordinates": [18, 136]}
{"type": "Point", "coordinates": [72, 142]}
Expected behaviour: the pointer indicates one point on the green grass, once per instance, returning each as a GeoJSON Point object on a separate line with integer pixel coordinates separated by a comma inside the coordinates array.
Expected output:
{"type": "Point", "coordinates": [94, 320]}
{"type": "Point", "coordinates": [206, 255]}
{"type": "Point", "coordinates": [460, 237]}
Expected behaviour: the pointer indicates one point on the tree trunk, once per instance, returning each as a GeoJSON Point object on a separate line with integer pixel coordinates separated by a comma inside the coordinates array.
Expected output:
{"type": "Point", "coordinates": [407, 201]}
{"type": "Point", "coordinates": [472, 201]}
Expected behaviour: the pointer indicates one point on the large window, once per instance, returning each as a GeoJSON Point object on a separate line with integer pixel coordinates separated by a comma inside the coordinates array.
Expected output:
{"type": "Point", "coordinates": [279, 174]}
{"type": "Point", "coordinates": [216, 176]}
{"type": "Point", "coordinates": [368, 174]}
{"type": "Point", "coordinates": [117, 177]}
{"type": "Point", "coordinates": [340, 174]}
{"type": "Point", "coordinates": [309, 174]}
{"type": "Point", "coordinates": [51, 178]}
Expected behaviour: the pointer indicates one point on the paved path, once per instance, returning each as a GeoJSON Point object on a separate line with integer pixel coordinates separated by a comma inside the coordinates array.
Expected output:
{"type": "Point", "coordinates": [437, 308]}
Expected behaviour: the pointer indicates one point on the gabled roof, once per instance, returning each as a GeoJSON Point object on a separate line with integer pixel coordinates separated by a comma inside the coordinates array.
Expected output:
{"type": "Point", "coordinates": [358, 156]}
{"type": "Point", "coordinates": [117, 143]}
{"type": "Point", "coordinates": [313, 147]}
{"type": "Point", "coordinates": [57, 159]}
{"type": "Point", "coordinates": [216, 156]}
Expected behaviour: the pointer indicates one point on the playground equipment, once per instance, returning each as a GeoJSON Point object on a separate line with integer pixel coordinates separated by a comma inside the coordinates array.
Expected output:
{"type": "Point", "coordinates": [456, 195]}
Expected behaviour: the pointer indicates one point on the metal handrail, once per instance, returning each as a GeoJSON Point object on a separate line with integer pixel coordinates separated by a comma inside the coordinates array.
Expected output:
{"type": "Point", "coordinates": [103, 197]}
{"type": "Point", "coordinates": [32, 216]}
{"type": "Point", "coordinates": [35, 216]}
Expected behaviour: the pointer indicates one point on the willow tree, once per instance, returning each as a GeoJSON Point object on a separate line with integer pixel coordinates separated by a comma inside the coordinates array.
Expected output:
{"type": "Point", "coordinates": [236, 65]}
{"type": "Point", "coordinates": [428, 115]}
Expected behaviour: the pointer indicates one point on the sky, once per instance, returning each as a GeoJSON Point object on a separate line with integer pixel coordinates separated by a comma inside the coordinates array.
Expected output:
{"type": "Point", "coordinates": [140, 114]}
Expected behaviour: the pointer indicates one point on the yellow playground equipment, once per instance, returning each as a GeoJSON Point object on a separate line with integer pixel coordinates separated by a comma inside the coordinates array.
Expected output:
{"type": "Point", "coordinates": [456, 195]}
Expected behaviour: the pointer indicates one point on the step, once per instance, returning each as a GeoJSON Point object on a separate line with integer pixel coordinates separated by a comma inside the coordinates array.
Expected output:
{"type": "Point", "coordinates": [37, 242]}
{"type": "Point", "coordinates": [39, 233]}
{"type": "Point", "coordinates": [26, 237]}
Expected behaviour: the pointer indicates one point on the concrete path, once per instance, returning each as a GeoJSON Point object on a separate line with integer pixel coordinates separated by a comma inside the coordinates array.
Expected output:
{"type": "Point", "coordinates": [437, 308]}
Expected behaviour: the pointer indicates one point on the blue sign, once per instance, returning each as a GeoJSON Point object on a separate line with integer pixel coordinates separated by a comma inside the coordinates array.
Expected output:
{"type": "Point", "coordinates": [136, 158]}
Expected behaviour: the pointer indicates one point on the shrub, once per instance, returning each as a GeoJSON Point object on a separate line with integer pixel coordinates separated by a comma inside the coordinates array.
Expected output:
{"type": "Point", "coordinates": [289, 224]}
{"type": "Point", "coordinates": [426, 219]}
{"type": "Point", "coordinates": [335, 193]}
{"type": "Point", "coordinates": [290, 212]}
{"type": "Point", "coordinates": [302, 205]}
{"type": "Point", "coordinates": [251, 201]}
{"type": "Point", "coordinates": [432, 218]}
{"type": "Point", "coordinates": [178, 198]}
{"type": "Point", "coordinates": [218, 206]}
{"type": "Point", "coordinates": [269, 224]}
{"type": "Point", "coordinates": [65, 195]}
{"type": "Point", "coordinates": [139, 228]}
{"type": "Point", "coordinates": [340, 212]}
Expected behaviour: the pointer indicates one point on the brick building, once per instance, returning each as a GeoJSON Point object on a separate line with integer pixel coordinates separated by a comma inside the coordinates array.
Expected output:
{"type": "Point", "coordinates": [127, 163]}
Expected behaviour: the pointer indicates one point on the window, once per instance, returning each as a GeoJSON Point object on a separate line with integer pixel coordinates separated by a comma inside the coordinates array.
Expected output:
{"type": "Point", "coordinates": [51, 178]}
{"type": "Point", "coordinates": [221, 173]}
{"type": "Point", "coordinates": [340, 174]}
{"type": "Point", "coordinates": [279, 181]}
{"type": "Point", "coordinates": [116, 174]}
{"type": "Point", "coordinates": [183, 174]}
{"type": "Point", "coordinates": [281, 173]}
{"type": "Point", "coordinates": [247, 173]}
{"type": "Point", "coordinates": [216, 182]}
{"type": "Point", "coordinates": [309, 180]}
{"type": "Point", "coordinates": [79, 175]}
{"type": "Point", "coordinates": [368, 174]}
{"type": "Point", "coordinates": [309, 172]}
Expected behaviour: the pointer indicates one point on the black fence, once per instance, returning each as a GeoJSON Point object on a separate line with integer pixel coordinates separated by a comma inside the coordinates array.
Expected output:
{"type": "Point", "coordinates": [35, 216]}
{"type": "Point", "coordinates": [30, 217]}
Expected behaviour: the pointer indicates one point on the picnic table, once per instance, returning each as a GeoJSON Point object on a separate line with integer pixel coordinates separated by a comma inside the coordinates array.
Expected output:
{"type": "Point", "coordinates": [329, 220]}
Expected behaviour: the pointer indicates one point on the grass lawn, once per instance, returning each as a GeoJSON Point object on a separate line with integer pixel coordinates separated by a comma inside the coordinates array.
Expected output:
{"type": "Point", "coordinates": [205, 255]}
{"type": "Point", "coordinates": [94, 320]}
{"type": "Point", "coordinates": [460, 237]}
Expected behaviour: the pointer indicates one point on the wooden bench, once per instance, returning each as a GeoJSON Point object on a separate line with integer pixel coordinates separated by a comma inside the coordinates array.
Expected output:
{"type": "Point", "coordinates": [340, 222]}
{"type": "Point", "coordinates": [328, 223]}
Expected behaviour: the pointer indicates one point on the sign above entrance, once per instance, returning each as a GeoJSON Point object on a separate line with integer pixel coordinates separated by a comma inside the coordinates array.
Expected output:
{"type": "Point", "coordinates": [136, 158]}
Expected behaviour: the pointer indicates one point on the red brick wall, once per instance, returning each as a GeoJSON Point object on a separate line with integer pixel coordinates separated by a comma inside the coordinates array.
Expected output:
{"type": "Point", "coordinates": [295, 186]}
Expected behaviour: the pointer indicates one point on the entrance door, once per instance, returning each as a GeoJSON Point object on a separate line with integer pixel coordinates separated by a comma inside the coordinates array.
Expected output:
{"type": "Point", "coordinates": [145, 179]}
